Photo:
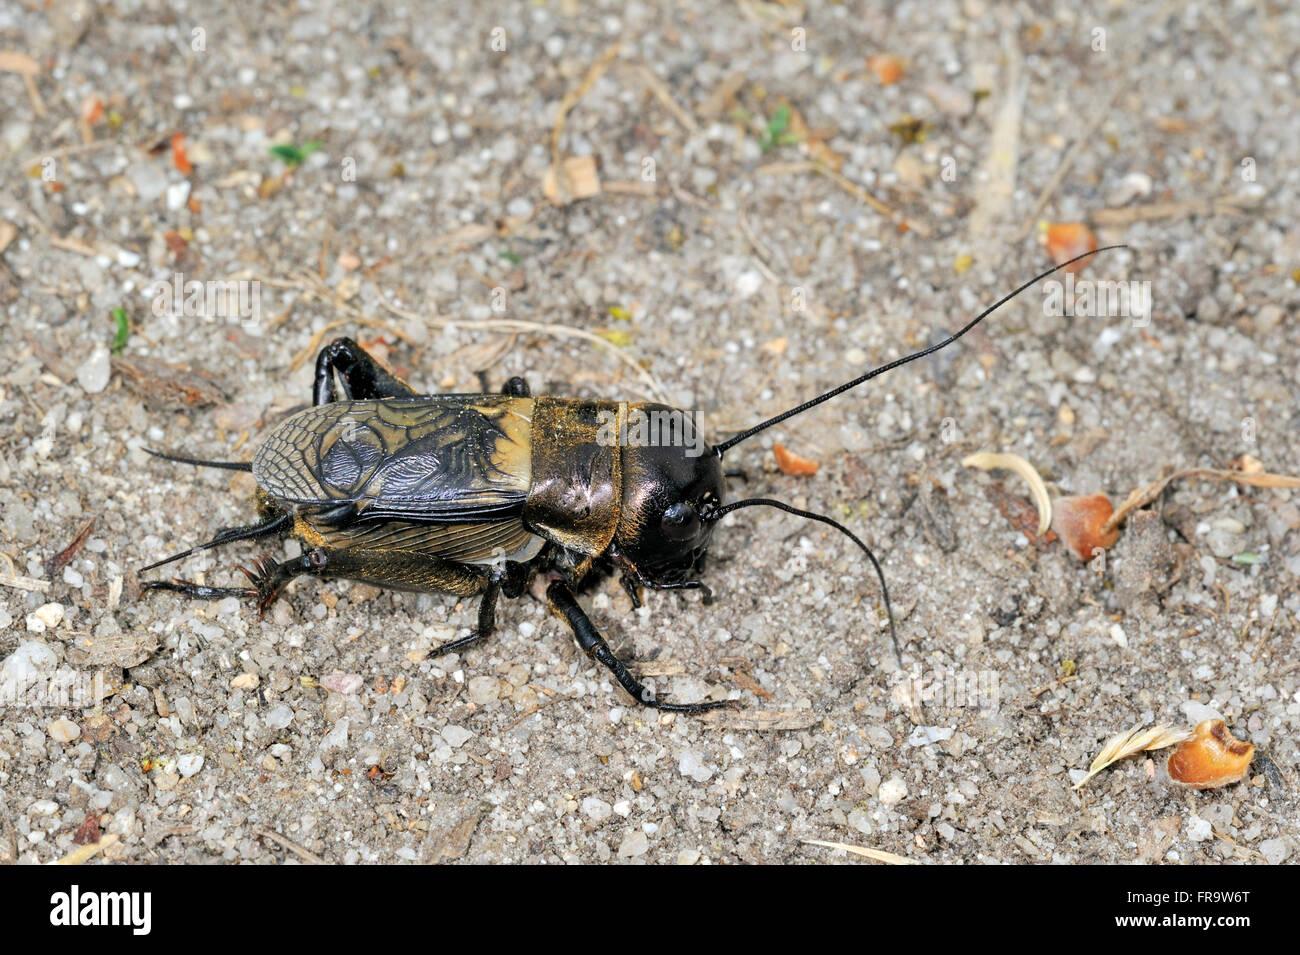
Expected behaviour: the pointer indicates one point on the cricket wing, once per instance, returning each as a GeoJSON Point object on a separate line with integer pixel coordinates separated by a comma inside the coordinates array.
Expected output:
{"type": "Point", "coordinates": [436, 458]}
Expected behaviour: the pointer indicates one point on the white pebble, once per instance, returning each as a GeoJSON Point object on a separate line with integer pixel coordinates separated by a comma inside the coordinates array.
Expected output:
{"type": "Point", "coordinates": [1276, 851]}
{"type": "Point", "coordinates": [337, 737]}
{"type": "Point", "coordinates": [31, 661]}
{"type": "Point", "coordinates": [924, 735]}
{"type": "Point", "coordinates": [92, 374]}
{"type": "Point", "coordinates": [1198, 829]}
{"type": "Point", "coordinates": [597, 810]}
{"type": "Point", "coordinates": [178, 193]}
{"type": "Point", "coordinates": [456, 736]}
{"type": "Point", "coordinates": [43, 807]}
{"type": "Point", "coordinates": [46, 617]}
{"type": "Point", "coordinates": [748, 283]}
{"type": "Point", "coordinates": [892, 791]}
{"type": "Point", "coordinates": [634, 844]}
{"type": "Point", "coordinates": [693, 767]}
{"type": "Point", "coordinates": [189, 764]}
{"type": "Point", "coordinates": [484, 689]}
{"type": "Point", "coordinates": [278, 716]}
{"type": "Point", "coordinates": [63, 731]}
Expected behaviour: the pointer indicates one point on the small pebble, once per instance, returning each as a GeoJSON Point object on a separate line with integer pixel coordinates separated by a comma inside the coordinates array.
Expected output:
{"type": "Point", "coordinates": [693, 767]}
{"type": "Point", "coordinates": [63, 731]}
{"type": "Point", "coordinates": [93, 373]}
{"type": "Point", "coordinates": [278, 716]}
{"type": "Point", "coordinates": [893, 791]}
{"type": "Point", "coordinates": [456, 736]}
{"type": "Point", "coordinates": [748, 283]}
{"type": "Point", "coordinates": [189, 764]}
{"type": "Point", "coordinates": [1198, 829]}
{"type": "Point", "coordinates": [1276, 851]}
{"type": "Point", "coordinates": [634, 844]}
{"type": "Point", "coordinates": [484, 689]}
{"type": "Point", "coordinates": [45, 617]}
{"type": "Point", "coordinates": [345, 683]}
{"type": "Point", "coordinates": [337, 737]}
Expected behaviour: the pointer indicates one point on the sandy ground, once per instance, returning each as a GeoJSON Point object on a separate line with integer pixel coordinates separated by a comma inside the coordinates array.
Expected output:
{"type": "Point", "coordinates": [730, 272]}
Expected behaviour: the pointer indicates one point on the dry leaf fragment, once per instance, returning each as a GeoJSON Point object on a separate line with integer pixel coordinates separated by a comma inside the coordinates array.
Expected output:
{"type": "Point", "coordinates": [12, 61]}
{"type": "Point", "coordinates": [581, 181]}
{"type": "Point", "coordinates": [1081, 521]}
{"type": "Point", "coordinates": [1213, 757]}
{"type": "Point", "coordinates": [1066, 240]}
{"type": "Point", "coordinates": [989, 460]}
{"type": "Point", "coordinates": [793, 464]}
{"type": "Point", "coordinates": [1136, 740]}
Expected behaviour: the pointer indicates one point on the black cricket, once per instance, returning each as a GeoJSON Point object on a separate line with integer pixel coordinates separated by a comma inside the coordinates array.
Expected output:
{"type": "Point", "coordinates": [481, 494]}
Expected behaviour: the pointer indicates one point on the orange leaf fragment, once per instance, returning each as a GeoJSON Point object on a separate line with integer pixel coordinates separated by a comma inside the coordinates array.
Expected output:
{"type": "Point", "coordinates": [1080, 522]}
{"type": "Point", "coordinates": [92, 110]}
{"type": "Point", "coordinates": [887, 67]}
{"type": "Point", "coordinates": [793, 464]}
{"type": "Point", "coordinates": [1065, 240]}
{"type": "Point", "coordinates": [179, 159]}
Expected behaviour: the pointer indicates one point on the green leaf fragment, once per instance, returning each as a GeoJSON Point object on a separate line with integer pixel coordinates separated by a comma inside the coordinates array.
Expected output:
{"type": "Point", "coordinates": [292, 155]}
{"type": "Point", "coordinates": [123, 330]}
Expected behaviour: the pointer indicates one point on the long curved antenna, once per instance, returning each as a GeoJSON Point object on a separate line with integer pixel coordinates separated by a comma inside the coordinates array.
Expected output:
{"type": "Point", "coordinates": [198, 462]}
{"type": "Point", "coordinates": [732, 442]}
{"type": "Point", "coordinates": [822, 518]}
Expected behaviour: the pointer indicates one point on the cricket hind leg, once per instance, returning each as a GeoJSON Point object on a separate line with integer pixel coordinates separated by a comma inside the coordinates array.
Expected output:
{"type": "Point", "coordinates": [361, 375]}
{"type": "Point", "coordinates": [510, 579]}
{"type": "Point", "coordinates": [562, 602]}
{"type": "Point", "coordinates": [401, 570]}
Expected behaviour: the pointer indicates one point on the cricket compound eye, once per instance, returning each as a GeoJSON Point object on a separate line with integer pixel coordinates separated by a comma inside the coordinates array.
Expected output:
{"type": "Point", "coordinates": [680, 522]}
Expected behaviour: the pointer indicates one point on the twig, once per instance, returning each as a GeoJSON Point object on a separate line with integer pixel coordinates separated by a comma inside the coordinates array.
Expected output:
{"type": "Point", "coordinates": [878, 855]}
{"type": "Point", "coordinates": [849, 186]}
{"type": "Point", "coordinates": [63, 557]}
{"type": "Point", "coordinates": [1067, 159]}
{"type": "Point", "coordinates": [18, 582]}
{"type": "Point", "coordinates": [570, 100]}
{"type": "Point", "coordinates": [540, 706]}
{"type": "Point", "coordinates": [1149, 492]}
{"type": "Point", "coordinates": [299, 851]}
{"type": "Point", "coordinates": [84, 853]}
{"type": "Point", "coordinates": [660, 90]}
{"type": "Point", "coordinates": [537, 328]}
{"type": "Point", "coordinates": [1231, 205]}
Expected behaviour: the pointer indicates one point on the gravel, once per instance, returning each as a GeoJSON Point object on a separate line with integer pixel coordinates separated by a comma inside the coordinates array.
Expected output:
{"type": "Point", "coordinates": [742, 283]}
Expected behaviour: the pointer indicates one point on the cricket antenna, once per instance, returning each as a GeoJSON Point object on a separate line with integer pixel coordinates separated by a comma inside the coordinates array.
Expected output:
{"type": "Point", "coordinates": [197, 462]}
{"type": "Point", "coordinates": [722, 448]}
{"type": "Point", "coordinates": [718, 513]}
